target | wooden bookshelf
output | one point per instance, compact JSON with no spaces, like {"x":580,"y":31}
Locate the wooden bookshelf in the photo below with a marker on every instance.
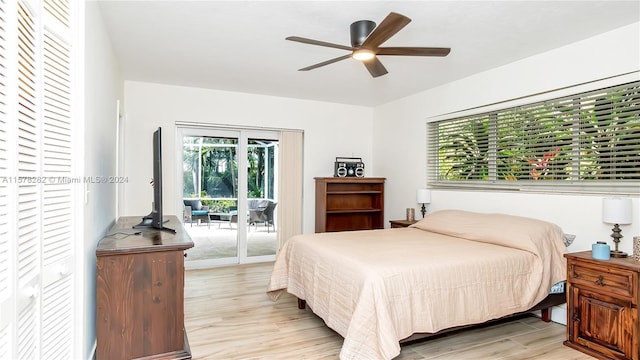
{"x":344,"y":204}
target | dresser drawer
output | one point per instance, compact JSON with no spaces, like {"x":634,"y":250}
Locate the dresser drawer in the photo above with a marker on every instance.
{"x":613,"y":281}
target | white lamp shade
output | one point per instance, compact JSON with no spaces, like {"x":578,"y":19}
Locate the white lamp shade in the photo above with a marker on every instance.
{"x":423,"y":196}
{"x":616,"y":210}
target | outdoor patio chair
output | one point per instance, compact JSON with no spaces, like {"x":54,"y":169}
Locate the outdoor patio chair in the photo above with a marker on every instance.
{"x":263,"y":214}
{"x":195,"y":211}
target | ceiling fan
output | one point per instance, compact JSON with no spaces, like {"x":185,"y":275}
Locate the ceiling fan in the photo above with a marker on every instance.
{"x":366,"y":39}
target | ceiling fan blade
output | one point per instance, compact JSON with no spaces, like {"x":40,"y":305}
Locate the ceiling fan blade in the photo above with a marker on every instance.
{"x":375,"y":67}
{"x":413,"y":51}
{"x":320,"y":43}
{"x":393,"y":23}
{"x":325,"y":63}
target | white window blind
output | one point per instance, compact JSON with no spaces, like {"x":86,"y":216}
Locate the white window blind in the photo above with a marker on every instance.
{"x":37,"y":246}
{"x":583,"y":142}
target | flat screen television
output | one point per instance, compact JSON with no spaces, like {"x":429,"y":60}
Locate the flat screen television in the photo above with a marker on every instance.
{"x":154,"y":219}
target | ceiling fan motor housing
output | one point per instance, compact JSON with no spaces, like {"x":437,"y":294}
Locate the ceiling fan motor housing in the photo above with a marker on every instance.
{"x":360,"y":30}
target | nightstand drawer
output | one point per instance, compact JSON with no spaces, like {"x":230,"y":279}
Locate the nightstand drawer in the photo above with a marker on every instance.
{"x":615,"y":281}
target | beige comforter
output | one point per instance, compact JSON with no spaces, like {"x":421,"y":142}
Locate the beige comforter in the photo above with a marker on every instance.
{"x":377,"y":287}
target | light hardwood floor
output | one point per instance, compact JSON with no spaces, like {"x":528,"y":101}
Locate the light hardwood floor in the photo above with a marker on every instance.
{"x":229,"y":316}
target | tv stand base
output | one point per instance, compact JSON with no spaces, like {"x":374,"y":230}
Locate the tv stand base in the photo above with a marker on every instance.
{"x":147,"y":223}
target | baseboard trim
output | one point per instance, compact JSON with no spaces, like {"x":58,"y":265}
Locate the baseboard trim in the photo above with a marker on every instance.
{"x":559,"y":314}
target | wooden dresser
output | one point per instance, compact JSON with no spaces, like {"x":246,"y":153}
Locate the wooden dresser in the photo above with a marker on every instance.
{"x":602,"y":306}
{"x":140,"y":292}
{"x":349,"y":203}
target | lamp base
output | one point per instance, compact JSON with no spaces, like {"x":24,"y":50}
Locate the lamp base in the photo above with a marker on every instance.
{"x":618,"y":254}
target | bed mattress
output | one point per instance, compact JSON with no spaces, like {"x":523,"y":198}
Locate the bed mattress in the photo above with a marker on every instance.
{"x":376,"y":287}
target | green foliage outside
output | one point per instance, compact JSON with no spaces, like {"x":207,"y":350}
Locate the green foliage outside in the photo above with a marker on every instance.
{"x":598,"y":139}
{"x":211,"y":165}
{"x":221,"y":206}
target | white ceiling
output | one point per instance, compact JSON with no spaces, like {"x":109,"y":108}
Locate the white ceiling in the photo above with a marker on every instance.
{"x":240,"y":45}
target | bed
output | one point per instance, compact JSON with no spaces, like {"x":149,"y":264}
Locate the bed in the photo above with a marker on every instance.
{"x":451,"y":269}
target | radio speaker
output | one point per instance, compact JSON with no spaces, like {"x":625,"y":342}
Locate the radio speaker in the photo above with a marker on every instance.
{"x":348,"y":167}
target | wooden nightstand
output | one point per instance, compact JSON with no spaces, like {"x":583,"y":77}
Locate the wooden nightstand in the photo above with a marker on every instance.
{"x":401,"y":223}
{"x":602,"y":306}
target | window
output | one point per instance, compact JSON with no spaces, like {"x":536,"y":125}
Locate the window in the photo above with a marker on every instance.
{"x":585,"y":142}
{"x":210,"y":169}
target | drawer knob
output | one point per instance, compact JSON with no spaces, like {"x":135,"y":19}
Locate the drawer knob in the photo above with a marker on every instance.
{"x":600,"y":281}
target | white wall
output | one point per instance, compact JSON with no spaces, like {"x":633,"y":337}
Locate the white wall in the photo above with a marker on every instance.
{"x":400,"y":134}
{"x":103,"y":87}
{"x":330,"y":130}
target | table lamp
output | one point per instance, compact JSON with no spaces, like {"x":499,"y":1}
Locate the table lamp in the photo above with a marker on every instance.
{"x":423,"y":196}
{"x":616,"y":211}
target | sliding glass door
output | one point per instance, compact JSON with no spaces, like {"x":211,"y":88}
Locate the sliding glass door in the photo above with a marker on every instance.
{"x":229,"y":194}
{"x":262,"y":195}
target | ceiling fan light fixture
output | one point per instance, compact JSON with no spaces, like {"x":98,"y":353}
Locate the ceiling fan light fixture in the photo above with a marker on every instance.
{"x":363,"y":54}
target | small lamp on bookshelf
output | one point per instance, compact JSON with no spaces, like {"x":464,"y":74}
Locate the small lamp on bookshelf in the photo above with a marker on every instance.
{"x":423,"y":196}
{"x":616,"y":211}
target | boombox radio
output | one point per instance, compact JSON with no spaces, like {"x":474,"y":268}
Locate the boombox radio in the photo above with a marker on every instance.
{"x":348,"y":167}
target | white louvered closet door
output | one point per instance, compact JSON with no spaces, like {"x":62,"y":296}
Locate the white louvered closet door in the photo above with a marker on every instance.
{"x":28,"y":194}
{"x":37,"y":255}
{"x":57,"y":246}
{"x":6,"y":189}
